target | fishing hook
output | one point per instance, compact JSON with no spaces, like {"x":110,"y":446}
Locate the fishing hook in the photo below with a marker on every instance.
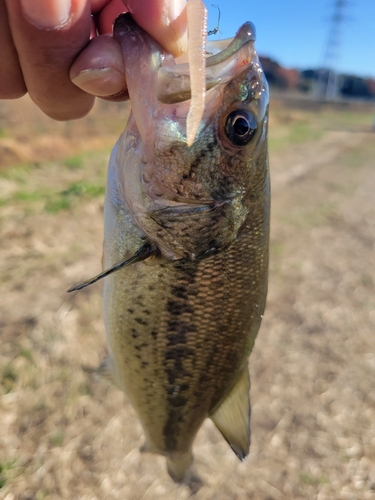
{"x":216,"y":29}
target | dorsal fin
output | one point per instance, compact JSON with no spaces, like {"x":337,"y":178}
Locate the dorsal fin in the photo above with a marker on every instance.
{"x":232,"y":417}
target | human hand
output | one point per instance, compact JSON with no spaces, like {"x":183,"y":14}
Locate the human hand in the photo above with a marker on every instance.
{"x":50,"y":49}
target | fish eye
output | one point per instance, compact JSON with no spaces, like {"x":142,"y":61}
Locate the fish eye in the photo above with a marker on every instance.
{"x":240,"y":127}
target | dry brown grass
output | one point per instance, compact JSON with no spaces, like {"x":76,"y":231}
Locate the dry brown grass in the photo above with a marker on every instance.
{"x":65,"y":435}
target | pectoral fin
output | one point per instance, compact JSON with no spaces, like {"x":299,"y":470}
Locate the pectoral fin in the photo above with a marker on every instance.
{"x":232,"y":417}
{"x":143,"y":253}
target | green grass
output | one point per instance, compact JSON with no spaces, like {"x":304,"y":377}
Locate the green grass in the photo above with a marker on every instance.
{"x":5,"y":467}
{"x":74,"y":163}
{"x":84,"y":189}
{"x":29,"y":196}
{"x":27,"y":354}
{"x":313,"y":481}
{"x":85,"y":389}
{"x":55,"y":202}
{"x":8,"y":378}
{"x":62,"y":374}
{"x":41,"y":494}
{"x":294,"y":133}
{"x":3,"y":132}
{"x":315,"y":125}
{"x":17,"y":173}
{"x":348,"y":117}
{"x":276,"y":248}
{"x":304,"y":131}
{"x":57,"y":439}
{"x":55,"y":206}
{"x":64,"y":200}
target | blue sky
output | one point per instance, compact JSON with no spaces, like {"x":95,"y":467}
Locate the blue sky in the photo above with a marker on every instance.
{"x":295,"y":32}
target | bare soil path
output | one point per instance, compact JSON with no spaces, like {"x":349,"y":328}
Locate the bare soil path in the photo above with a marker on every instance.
{"x":65,"y":435}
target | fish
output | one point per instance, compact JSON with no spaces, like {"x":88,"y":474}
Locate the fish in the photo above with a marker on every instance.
{"x":186,"y":238}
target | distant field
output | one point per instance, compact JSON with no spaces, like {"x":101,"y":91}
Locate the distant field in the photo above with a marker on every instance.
{"x":66,"y":435}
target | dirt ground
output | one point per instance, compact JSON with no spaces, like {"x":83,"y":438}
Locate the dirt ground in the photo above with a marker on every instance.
{"x":66,"y":435}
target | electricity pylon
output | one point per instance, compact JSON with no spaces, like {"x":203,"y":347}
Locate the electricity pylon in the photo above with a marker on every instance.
{"x":332,"y":52}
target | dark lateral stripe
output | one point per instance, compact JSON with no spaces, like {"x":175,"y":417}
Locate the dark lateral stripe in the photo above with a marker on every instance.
{"x":178,"y":331}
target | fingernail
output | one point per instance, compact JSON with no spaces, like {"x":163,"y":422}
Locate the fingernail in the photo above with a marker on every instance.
{"x":100,"y":82}
{"x":177,"y":24}
{"x":181,"y":46}
{"x":47,"y":14}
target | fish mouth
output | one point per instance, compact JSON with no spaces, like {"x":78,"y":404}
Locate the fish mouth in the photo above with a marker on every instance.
{"x":224,"y":60}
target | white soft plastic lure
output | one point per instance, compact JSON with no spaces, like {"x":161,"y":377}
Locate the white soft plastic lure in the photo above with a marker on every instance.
{"x":197,"y":32}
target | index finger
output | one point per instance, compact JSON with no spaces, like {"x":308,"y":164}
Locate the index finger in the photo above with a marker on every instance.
{"x":164,"y":20}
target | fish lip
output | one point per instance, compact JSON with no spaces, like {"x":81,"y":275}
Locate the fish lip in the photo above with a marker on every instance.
{"x":173,"y":81}
{"x":244,"y":35}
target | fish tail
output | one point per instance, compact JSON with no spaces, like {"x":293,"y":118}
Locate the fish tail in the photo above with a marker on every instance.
{"x":178,"y":465}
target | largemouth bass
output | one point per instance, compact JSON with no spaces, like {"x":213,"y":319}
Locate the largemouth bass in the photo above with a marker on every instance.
{"x":189,"y":226}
